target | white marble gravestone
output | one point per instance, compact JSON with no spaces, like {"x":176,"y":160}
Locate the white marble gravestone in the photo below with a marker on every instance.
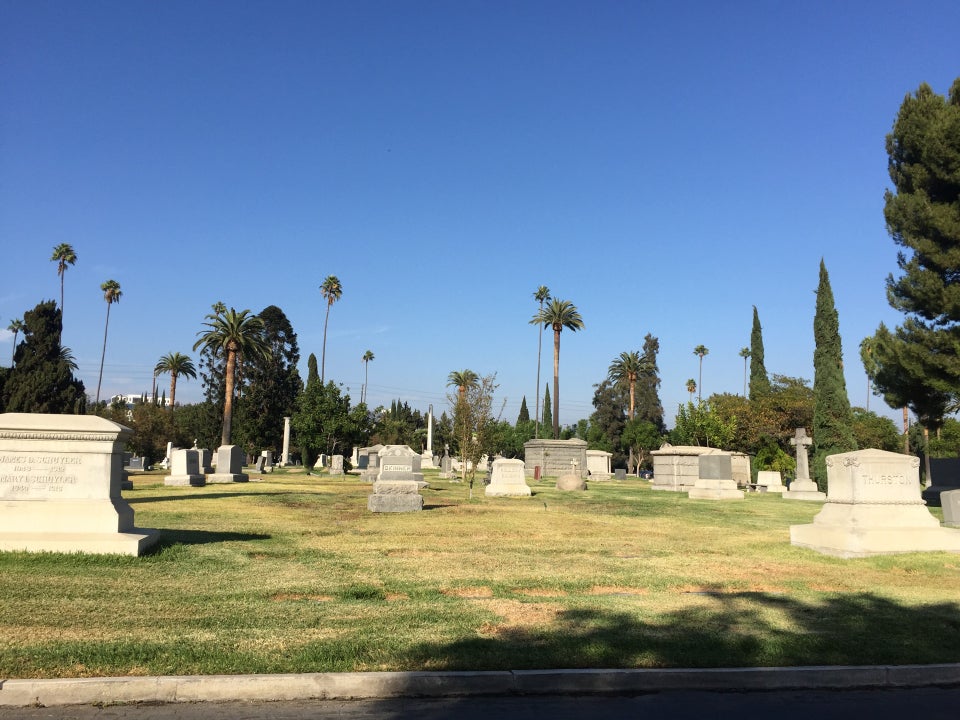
{"x":507,"y":479}
{"x":598,"y":464}
{"x":873,"y":507}
{"x":336,"y":465}
{"x":715,"y":481}
{"x":398,"y":483}
{"x":950,"y":502}
{"x":60,"y":481}
{"x":770,"y":481}
{"x":185,"y":469}
{"x":802,"y":487}
{"x":229,"y":465}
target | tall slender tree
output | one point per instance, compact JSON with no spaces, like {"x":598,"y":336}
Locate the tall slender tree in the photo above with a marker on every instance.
{"x":64,"y":256}
{"x":625,"y":370}
{"x":649,"y":407}
{"x":558,"y":314}
{"x":367,"y":357}
{"x":463,"y":380}
{"x":759,"y":382}
{"x":745,"y":354}
{"x":229,"y":335}
{"x":111,"y":293}
{"x":15,"y":327}
{"x":700,"y":351}
{"x":691,"y":388}
{"x":547,"y":412}
{"x":331,"y":290}
{"x":541,"y":295}
{"x":177,"y":364}
{"x":832,"y":416}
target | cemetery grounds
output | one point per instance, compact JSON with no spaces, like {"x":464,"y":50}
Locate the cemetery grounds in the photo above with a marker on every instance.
{"x":291,"y":573}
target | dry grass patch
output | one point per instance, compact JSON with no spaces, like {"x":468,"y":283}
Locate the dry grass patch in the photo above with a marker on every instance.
{"x":468,"y":593}
{"x":299,"y":597}
{"x":539,"y":592}
{"x":518,"y":618}
{"x":617,"y":590}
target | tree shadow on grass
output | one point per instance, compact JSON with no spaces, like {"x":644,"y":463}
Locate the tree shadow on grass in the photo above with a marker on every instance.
{"x":727,"y":630}
{"x":133,"y":500}
{"x":170,"y":537}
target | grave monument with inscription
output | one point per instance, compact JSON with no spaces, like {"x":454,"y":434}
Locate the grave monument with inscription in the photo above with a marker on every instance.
{"x":397,"y":487}
{"x":507,"y":479}
{"x":715,"y":481}
{"x":60,"y":481}
{"x":185,"y":469}
{"x":873,"y":507}
{"x":802,"y":487}
{"x":230,"y":460}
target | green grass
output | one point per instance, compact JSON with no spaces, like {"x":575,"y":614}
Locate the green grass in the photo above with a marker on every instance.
{"x":293,"y":574}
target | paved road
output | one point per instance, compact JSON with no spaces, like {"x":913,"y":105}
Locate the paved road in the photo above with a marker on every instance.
{"x":926,"y":703}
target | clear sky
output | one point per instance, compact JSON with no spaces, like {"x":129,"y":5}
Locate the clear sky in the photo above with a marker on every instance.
{"x":663,"y":165}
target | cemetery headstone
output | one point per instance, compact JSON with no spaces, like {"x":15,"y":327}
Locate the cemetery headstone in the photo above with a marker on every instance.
{"x":397,"y":487}
{"x":715,"y":481}
{"x":873,"y":508}
{"x":206,"y":460}
{"x":803,"y":488}
{"x":446,"y":467}
{"x":676,"y":468}
{"x":267,"y":460}
{"x":185,"y":469}
{"x":572,"y":480}
{"x":950,"y":501}
{"x":259,"y":464}
{"x":336,"y":465}
{"x":770,"y":481}
{"x":507,"y":479}
{"x":944,"y":476}
{"x":620,"y":474}
{"x":229,"y":465}
{"x":598,"y":464}
{"x":60,"y":478}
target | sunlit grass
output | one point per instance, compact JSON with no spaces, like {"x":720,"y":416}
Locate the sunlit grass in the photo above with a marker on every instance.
{"x":291,"y":573}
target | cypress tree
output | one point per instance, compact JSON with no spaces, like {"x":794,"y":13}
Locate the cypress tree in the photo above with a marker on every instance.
{"x":524,"y":416}
{"x":759,"y":381}
{"x":647,"y":392}
{"x":313,"y":375}
{"x":832,"y":416}
{"x":547,"y":420}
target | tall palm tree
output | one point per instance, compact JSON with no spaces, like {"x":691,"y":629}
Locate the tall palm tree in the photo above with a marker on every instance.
{"x":541,"y":295}
{"x":367,"y":357}
{"x":625,"y":370}
{"x":331,"y":290}
{"x":63,"y":255}
{"x":745,"y":354}
{"x":233,"y":334}
{"x":111,"y":293}
{"x":463,"y":380}
{"x":15,"y":327}
{"x":700,"y":351}
{"x":691,"y":388}
{"x":558,"y":314}
{"x":176,"y":364}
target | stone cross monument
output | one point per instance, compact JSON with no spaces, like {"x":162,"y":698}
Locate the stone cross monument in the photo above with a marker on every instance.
{"x":803,"y":488}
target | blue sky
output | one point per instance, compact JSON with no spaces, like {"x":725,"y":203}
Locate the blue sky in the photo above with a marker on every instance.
{"x":665,"y":166}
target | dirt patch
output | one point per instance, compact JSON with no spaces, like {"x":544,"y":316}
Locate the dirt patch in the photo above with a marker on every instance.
{"x":297,"y":597}
{"x":394,"y":597}
{"x":518,"y":618}
{"x":537,"y":592}
{"x":471,"y":592}
{"x":617,"y":590}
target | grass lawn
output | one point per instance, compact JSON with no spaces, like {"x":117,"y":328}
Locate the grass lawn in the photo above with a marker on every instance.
{"x":291,"y":573}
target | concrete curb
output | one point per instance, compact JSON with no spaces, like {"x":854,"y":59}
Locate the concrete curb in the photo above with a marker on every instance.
{"x":352,"y":686}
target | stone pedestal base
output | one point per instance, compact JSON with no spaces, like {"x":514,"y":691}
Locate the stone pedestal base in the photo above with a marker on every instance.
{"x":710,"y":489}
{"x":125,"y":543}
{"x":804,"y":490}
{"x":395,"y":496}
{"x":180,"y":480}
{"x":860,"y":530}
{"x":223,"y":478}
{"x":508,"y":490}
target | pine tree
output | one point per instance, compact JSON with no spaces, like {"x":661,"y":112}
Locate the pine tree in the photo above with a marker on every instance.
{"x":524,"y":416}
{"x":759,"y":381}
{"x":648,"y":405}
{"x":547,"y":422}
{"x":832,"y":416}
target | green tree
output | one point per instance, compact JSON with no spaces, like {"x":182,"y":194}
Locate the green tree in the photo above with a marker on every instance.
{"x":874,"y":431}
{"x":473,"y":423}
{"x":832,"y":416}
{"x":639,"y":438}
{"x":64,"y":256}
{"x":313,"y":375}
{"x":625,"y":370}
{"x":177,"y":364}
{"x":547,"y":411}
{"x":649,"y":407}
{"x":42,"y":380}
{"x":524,"y":415}
{"x":367,"y":357}
{"x":699,"y":425}
{"x":111,"y":293}
{"x":15,"y":327}
{"x":759,"y":381}
{"x":331,"y":290}
{"x":608,"y":420}
{"x":558,"y":314}
{"x":541,"y":295}
{"x":463,"y":380}
{"x":691,"y":387}
{"x":231,"y":334}
{"x":325,"y":423}
{"x":700,"y":351}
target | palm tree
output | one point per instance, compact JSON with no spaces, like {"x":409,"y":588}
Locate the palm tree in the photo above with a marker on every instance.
{"x":541,"y":295}
{"x":233,"y":334}
{"x":558,"y":314}
{"x":176,"y":364}
{"x":367,"y":357}
{"x":700,"y":351}
{"x":15,"y":327}
{"x":64,"y":255}
{"x":745,"y":353}
{"x":66,"y":354}
{"x":625,"y":370}
{"x":463,"y":380}
{"x":691,"y":388}
{"x":111,"y":293}
{"x":331,"y":290}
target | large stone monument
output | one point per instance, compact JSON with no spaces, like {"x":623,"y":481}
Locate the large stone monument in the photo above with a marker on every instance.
{"x":677,"y":467}
{"x":229,"y":465}
{"x":802,"y":487}
{"x":507,"y":479}
{"x":873,"y":508}
{"x":60,"y":481}
{"x":598,"y":464}
{"x":185,"y":469}
{"x":715,"y":481}
{"x":397,"y":487}
{"x":554,"y":457}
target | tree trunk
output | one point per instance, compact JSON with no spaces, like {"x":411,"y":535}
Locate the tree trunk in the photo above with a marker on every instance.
{"x":323,"y":354}
{"x":536,"y":427}
{"x":103,"y":355}
{"x":633,"y":385}
{"x":173,"y":390}
{"x":556,"y":384}
{"x":228,"y":399}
